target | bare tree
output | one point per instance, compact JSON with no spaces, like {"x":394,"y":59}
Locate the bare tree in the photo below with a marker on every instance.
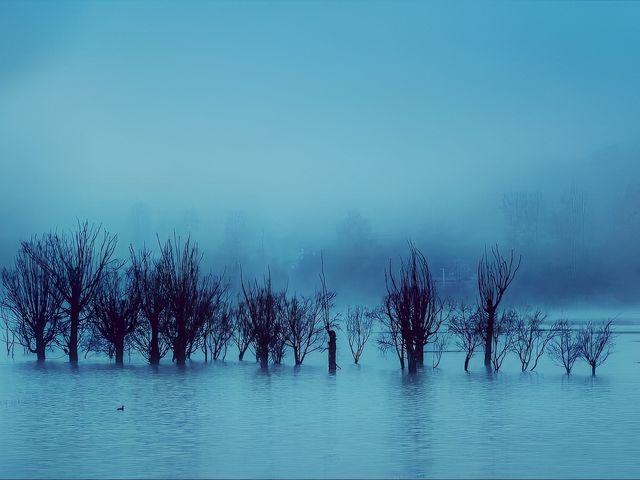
{"x":153,"y":306}
{"x":33,"y":303}
{"x":278,"y":347}
{"x":467,"y":325}
{"x":325,"y":300}
{"x":243,"y":331}
{"x":530,"y":339}
{"x":359,"y":327}
{"x":218,"y":331}
{"x":503,"y":339}
{"x":8,"y":335}
{"x":595,"y":343}
{"x":115,"y":309}
{"x":263,"y":305}
{"x":564,"y":348}
{"x":303,"y":327}
{"x":190,"y":296}
{"x":413,"y":305}
{"x":390,"y":336}
{"x":494,"y":277}
{"x":76,"y":262}
{"x":439,"y":346}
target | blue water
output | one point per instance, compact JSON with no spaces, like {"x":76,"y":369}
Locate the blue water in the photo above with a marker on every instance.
{"x":231,"y":419}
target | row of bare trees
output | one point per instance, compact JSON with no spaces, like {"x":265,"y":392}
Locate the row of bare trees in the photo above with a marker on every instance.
{"x":524,"y":334}
{"x":273,"y":321}
{"x":69,"y":291}
{"x":412,"y":315}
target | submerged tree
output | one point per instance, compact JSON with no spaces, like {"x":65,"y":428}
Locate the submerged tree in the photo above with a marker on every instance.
{"x":530,"y":339}
{"x":359,"y":325}
{"x":494,"y":277}
{"x":243,"y":330}
{"x":412,"y":304}
{"x":325,"y":301}
{"x":564,"y":348}
{"x":191,"y":297}
{"x":76,"y":263}
{"x":503,"y":339}
{"x":303,"y":327}
{"x":595,"y":343}
{"x":218,"y":331}
{"x":32,"y":301}
{"x":263,"y":305}
{"x":390,"y":337}
{"x":115,"y":309}
{"x":278,"y":347}
{"x":467,"y":325}
{"x":439,"y":346}
{"x":153,"y":306}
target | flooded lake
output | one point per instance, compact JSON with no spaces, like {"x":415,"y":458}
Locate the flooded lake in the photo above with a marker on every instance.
{"x":231,"y":419}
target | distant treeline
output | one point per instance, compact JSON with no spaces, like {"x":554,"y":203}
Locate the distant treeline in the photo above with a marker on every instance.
{"x":69,"y":291}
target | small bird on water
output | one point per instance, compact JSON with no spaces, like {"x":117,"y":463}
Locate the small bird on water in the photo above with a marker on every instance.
{"x":121,"y":407}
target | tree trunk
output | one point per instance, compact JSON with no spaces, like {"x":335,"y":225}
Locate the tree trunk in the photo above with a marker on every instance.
{"x":119,"y":349}
{"x":411,"y":362}
{"x":264,"y":359}
{"x":180,"y":358}
{"x":154,"y":347}
{"x":332,"y":352}
{"x":466,"y":363}
{"x":419,"y":354}
{"x":296,"y":355}
{"x":411,"y":356}
{"x":74,"y":322}
{"x":179,"y":353}
{"x":241,"y":355}
{"x":491,"y":316}
{"x":593,"y":370}
{"x":40,"y":349}
{"x":262,"y":352}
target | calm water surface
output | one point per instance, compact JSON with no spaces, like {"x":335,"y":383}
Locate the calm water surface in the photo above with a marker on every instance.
{"x":233,"y":420}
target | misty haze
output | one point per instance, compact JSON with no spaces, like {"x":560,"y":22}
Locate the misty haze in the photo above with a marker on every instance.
{"x":319,"y":239}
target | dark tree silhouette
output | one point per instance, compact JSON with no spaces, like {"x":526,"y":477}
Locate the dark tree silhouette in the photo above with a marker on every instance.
{"x":359,"y":325}
{"x":595,"y":343}
{"x":8,"y":336}
{"x":153,"y":306}
{"x":218,"y":331}
{"x":263,"y":305}
{"x":494,"y":277}
{"x":115,"y":309}
{"x":503,"y":339}
{"x":413,"y":305}
{"x":243,"y":330}
{"x":325,"y":301}
{"x":76,"y":262}
{"x":467,"y":325}
{"x":303,"y":327}
{"x":530,"y":339}
{"x":191,"y":297}
{"x":390,"y":336}
{"x":278,"y":347}
{"x":439,"y":346}
{"x":564,"y":348}
{"x":33,"y":303}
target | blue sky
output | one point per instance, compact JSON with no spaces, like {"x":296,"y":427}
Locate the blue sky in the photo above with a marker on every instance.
{"x":299,"y":112}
